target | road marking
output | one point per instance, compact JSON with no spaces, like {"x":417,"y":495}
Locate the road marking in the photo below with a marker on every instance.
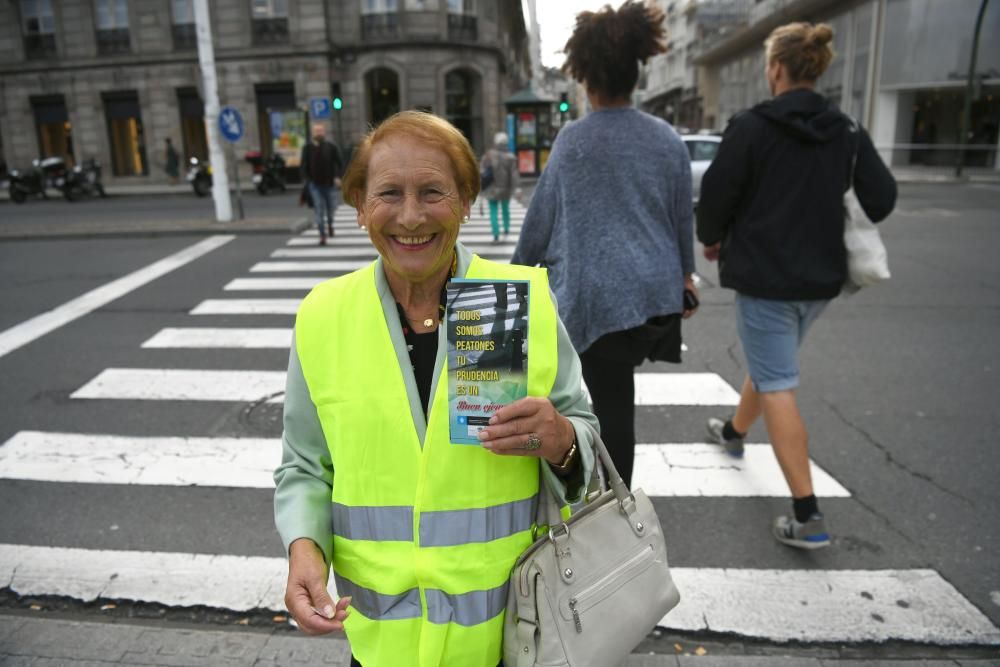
{"x":250,"y":462}
{"x":828,"y":606}
{"x":362,"y":241}
{"x":307,"y":266}
{"x":167,"y":461}
{"x":247,"y":307}
{"x":325,"y":251}
{"x":206,"y":337}
{"x":809,"y":606}
{"x":29,"y":330}
{"x":174,"y":579}
{"x":699,"y":469}
{"x":682,"y":389}
{"x":158,"y":384}
{"x":287,"y":284}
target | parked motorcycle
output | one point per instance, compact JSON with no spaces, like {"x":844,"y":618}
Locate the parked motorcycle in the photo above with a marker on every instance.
{"x":267,"y":175}
{"x":84,"y":179}
{"x":49,"y":172}
{"x":200,"y":176}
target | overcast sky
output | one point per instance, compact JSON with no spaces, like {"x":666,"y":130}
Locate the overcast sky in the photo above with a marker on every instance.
{"x":556,"y":19}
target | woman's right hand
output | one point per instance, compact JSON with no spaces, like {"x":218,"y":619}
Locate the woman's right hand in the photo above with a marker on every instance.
{"x":306,"y":596}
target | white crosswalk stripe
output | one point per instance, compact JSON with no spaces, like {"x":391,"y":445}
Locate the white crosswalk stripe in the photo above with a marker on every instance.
{"x":767,"y":604}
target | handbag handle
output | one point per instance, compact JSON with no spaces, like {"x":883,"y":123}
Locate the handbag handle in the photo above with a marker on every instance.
{"x":549,"y":509}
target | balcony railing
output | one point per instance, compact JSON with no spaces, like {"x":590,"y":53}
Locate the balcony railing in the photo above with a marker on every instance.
{"x":185,"y":36}
{"x":379,"y":26}
{"x":270,"y":31}
{"x":462,"y":28}
{"x":39,"y":46}
{"x":112,"y":42}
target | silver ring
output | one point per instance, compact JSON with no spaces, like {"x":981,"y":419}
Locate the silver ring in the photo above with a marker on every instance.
{"x":534,"y":442}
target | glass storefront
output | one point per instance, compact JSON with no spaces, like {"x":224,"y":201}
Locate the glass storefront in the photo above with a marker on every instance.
{"x":55,"y":133}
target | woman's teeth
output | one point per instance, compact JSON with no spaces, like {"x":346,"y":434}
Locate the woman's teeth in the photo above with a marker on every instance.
{"x":414,"y":240}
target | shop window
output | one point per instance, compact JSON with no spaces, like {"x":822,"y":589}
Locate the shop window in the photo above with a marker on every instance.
{"x":125,"y":134}
{"x":182,"y":25}
{"x":282,"y":124}
{"x":55,"y":135}
{"x":462,"y":21}
{"x":112,"y":26}
{"x":379,"y":19}
{"x":383,"y":94}
{"x":270,"y":21}
{"x":463,"y":105}
{"x":38,"y":26}
{"x":194,"y":139}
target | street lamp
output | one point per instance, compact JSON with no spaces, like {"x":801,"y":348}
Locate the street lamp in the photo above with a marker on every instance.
{"x":969,"y":89}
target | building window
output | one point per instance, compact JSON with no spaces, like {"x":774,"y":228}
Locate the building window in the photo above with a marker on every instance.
{"x":270,"y":21}
{"x":112,"y":26}
{"x":55,"y":136}
{"x":38,"y":25}
{"x":379,"y":19}
{"x":128,"y":145}
{"x":463,"y":106}
{"x":282,"y":125}
{"x":383,"y":94}
{"x":183,"y":26}
{"x":462,"y":22}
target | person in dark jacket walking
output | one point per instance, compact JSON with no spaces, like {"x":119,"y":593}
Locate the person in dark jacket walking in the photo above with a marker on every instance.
{"x":772,"y":213}
{"x":321,"y":168}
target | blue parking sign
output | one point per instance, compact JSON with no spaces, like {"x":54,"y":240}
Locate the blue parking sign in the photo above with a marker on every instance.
{"x":319,"y":107}
{"x":230,"y":124}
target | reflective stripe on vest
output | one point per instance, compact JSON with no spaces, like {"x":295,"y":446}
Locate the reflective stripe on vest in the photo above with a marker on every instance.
{"x":425,"y":534}
{"x":437,"y":529}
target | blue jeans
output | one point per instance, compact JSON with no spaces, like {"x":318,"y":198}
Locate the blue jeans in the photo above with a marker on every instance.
{"x":505,"y":209}
{"x":322,"y":197}
{"x":771,"y":333}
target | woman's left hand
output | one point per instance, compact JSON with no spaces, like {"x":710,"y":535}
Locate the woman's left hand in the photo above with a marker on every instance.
{"x":511,"y":427}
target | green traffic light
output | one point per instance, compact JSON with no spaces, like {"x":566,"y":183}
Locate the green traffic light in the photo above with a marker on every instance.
{"x":563,"y":107}
{"x":338,"y":103}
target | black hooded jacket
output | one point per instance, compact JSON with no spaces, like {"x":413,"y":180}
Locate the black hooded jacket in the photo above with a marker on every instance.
{"x":773,"y":196}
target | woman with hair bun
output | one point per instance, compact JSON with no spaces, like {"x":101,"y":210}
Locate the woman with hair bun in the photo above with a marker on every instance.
{"x":772,"y":213}
{"x":611,"y":219}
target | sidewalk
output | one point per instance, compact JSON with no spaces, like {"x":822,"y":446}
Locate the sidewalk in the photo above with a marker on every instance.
{"x":37,"y":641}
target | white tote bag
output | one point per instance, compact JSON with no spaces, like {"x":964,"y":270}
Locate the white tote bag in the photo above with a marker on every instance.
{"x":867,"y":259}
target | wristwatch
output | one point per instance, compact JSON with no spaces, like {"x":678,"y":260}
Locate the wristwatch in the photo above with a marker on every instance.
{"x":566,"y":464}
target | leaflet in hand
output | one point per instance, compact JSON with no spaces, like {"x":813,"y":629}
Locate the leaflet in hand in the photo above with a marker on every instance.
{"x":487,"y":351}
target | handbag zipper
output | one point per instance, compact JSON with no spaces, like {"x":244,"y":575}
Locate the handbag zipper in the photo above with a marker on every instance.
{"x":576,"y":603}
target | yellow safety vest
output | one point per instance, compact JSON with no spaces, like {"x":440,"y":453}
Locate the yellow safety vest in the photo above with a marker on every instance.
{"x":424,"y":534}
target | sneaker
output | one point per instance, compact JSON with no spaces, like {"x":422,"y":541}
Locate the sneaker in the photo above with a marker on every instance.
{"x":809,"y":535}
{"x":733,"y":447}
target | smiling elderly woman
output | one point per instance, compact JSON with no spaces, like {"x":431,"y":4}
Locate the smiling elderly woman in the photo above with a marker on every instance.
{"x":421,"y":534}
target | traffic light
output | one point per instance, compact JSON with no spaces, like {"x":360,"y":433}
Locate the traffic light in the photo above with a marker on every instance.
{"x":338,"y":101}
{"x":563,"y":103}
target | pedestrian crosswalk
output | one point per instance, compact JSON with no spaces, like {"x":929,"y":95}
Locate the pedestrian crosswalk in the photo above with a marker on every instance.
{"x":808,"y":605}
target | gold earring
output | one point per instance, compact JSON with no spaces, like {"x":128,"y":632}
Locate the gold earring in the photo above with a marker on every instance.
{"x":465,"y":219}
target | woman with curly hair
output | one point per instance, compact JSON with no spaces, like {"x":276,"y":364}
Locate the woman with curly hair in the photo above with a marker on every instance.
{"x":611,"y":219}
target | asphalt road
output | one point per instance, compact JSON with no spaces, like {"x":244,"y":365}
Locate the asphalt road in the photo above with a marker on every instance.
{"x":900,"y":387}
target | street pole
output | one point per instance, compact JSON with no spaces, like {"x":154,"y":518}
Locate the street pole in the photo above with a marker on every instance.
{"x":969,"y":89}
{"x":216,"y":156}
{"x":236,"y":173}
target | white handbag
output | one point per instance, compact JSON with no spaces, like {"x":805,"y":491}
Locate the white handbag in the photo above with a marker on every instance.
{"x":592,"y":588}
{"x":867,"y":259}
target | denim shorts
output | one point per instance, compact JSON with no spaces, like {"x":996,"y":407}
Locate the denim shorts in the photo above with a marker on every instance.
{"x":771,"y":333}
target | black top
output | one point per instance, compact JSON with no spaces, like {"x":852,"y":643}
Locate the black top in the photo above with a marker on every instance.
{"x":774,"y":197}
{"x":423,"y":354}
{"x":321,"y":163}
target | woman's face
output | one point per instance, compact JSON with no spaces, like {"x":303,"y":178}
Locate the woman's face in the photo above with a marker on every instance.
{"x":412,"y":207}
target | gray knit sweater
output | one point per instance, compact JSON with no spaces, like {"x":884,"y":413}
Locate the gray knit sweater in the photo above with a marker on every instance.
{"x":611,"y":219}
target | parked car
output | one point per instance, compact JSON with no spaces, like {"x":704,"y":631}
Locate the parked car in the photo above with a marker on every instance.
{"x":702,"y":149}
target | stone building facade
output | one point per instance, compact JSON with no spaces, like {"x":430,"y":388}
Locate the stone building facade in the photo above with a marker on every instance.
{"x":113,"y":79}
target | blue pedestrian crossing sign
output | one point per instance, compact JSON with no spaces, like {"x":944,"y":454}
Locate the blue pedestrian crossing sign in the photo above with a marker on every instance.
{"x":230,"y":124}
{"x":319,"y":107}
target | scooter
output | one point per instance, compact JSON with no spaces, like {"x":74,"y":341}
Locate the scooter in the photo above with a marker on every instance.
{"x":48,"y":172}
{"x":84,"y":179}
{"x":200,"y":176}
{"x":267,"y":175}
